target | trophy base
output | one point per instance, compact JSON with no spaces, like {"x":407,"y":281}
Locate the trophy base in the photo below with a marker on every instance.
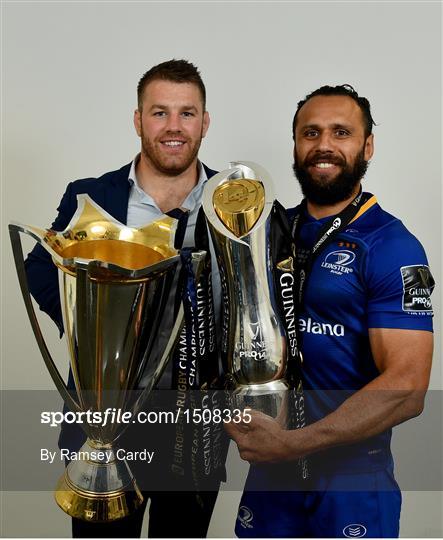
{"x":99,"y":488}
{"x":270,"y":398}
{"x":93,"y":508}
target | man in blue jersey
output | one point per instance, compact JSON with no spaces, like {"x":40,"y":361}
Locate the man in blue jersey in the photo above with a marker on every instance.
{"x":365,"y":327}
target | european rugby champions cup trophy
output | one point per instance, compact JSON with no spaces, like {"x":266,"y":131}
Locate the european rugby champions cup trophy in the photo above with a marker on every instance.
{"x":255,"y":253}
{"x":115,"y":284}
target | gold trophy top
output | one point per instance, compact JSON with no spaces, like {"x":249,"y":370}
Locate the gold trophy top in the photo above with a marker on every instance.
{"x":94,"y":235}
{"x":239,"y":204}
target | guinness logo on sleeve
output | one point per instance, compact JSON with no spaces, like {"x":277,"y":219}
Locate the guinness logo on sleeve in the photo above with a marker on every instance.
{"x":418,"y":284}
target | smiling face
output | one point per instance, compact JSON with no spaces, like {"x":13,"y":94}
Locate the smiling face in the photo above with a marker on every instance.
{"x":171,"y":125}
{"x":331,"y":152}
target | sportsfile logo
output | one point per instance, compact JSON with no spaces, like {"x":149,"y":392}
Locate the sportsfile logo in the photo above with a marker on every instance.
{"x":339,"y":261}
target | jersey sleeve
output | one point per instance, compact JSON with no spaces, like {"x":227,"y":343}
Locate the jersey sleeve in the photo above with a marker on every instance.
{"x":399,"y":282}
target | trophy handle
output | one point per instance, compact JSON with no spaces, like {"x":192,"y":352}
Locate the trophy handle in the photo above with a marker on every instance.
{"x":198,"y":259}
{"x":17,"y":249}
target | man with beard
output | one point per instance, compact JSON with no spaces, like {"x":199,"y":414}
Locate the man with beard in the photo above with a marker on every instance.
{"x":165,"y":177}
{"x":365,"y":329}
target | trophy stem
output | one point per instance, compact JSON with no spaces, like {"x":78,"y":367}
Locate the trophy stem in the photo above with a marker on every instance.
{"x":98,"y":487}
{"x":270,"y":398}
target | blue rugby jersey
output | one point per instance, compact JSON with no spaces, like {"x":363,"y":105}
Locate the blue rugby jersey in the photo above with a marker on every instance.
{"x":374,"y":274}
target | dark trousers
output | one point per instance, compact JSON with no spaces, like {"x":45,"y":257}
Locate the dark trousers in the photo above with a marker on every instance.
{"x":171,"y":515}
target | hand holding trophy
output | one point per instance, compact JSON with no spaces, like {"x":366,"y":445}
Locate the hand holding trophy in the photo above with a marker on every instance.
{"x":115,"y":284}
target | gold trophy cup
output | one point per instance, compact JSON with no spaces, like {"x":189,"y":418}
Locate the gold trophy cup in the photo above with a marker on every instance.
{"x":115,"y":283}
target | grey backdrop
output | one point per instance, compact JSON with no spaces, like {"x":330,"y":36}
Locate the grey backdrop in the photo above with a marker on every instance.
{"x":69,"y":74}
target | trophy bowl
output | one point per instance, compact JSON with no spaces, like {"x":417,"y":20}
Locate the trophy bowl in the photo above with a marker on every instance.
{"x":115,"y":284}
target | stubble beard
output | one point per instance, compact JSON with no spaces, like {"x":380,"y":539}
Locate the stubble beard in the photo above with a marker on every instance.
{"x":169,"y":166}
{"x":331,"y":191}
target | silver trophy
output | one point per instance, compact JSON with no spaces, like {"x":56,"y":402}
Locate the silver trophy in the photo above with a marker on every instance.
{"x":238,"y":203}
{"x":115,"y":284}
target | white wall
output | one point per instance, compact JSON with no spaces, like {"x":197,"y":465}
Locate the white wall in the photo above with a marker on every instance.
{"x":70,"y":71}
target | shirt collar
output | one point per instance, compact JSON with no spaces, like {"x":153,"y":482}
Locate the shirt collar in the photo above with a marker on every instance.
{"x":191,"y":200}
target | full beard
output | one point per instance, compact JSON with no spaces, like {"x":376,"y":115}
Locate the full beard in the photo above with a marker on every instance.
{"x":169,"y":165}
{"x":334,"y":190}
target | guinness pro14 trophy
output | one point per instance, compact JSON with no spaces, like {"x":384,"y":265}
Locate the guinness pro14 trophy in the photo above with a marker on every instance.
{"x":257,"y":275}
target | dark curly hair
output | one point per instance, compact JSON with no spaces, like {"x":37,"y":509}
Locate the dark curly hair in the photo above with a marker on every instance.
{"x":340,"y":90}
